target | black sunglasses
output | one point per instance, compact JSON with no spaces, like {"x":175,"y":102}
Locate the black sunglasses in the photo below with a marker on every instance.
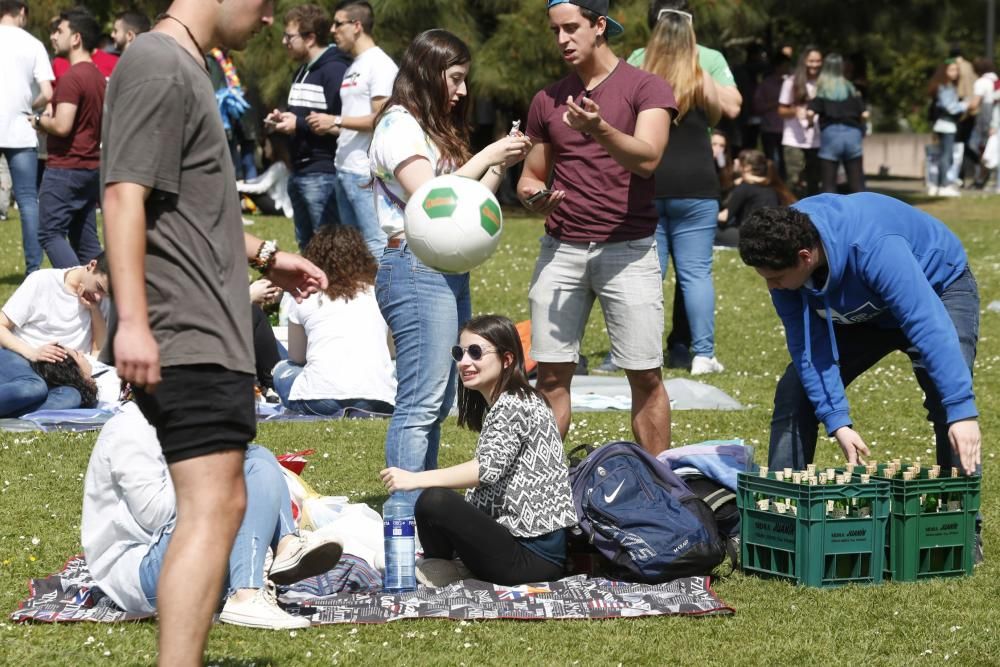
{"x":475,"y":351}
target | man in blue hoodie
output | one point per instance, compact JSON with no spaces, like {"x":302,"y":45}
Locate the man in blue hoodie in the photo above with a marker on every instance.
{"x":853,"y":278}
{"x":315,"y":90}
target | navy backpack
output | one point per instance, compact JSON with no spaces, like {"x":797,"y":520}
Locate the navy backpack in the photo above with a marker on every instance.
{"x":641,"y":516}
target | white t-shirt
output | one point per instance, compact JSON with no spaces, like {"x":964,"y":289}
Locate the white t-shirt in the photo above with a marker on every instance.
{"x":347,"y":349}
{"x":797,"y":132}
{"x":128,"y":502}
{"x":44,"y":312}
{"x":370,"y":75}
{"x":397,"y":138}
{"x":23,"y":63}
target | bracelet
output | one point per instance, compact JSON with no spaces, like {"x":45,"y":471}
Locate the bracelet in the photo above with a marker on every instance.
{"x":265,"y":257}
{"x":497,"y":169}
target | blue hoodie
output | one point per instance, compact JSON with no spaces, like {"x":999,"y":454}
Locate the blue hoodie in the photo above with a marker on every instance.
{"x":888,"y":264}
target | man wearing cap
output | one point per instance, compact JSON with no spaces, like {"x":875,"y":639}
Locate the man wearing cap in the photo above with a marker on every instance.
{"x":598,"y":135}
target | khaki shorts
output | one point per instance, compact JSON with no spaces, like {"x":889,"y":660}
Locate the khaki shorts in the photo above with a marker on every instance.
{"x":624,"y":276}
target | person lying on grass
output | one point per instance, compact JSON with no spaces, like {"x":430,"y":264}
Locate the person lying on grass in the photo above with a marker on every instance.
{"x":129,"y":514}
{"x":510,"y":529}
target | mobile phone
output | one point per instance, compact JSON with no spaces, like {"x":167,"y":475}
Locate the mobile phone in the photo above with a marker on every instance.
{"x":514,"y":128}
{"x":544,"y":192}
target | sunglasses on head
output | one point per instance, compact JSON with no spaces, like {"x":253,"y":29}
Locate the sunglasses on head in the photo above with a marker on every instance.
{"x":475,"y":351}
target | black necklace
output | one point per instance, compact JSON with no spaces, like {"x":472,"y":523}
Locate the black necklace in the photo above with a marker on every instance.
{"x":186,"y":29}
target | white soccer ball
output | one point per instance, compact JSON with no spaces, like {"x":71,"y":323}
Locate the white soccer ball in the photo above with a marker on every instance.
{"x":453,"y":224}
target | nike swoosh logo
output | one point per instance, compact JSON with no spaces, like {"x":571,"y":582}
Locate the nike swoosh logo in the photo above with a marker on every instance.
{"x":611,"y":498}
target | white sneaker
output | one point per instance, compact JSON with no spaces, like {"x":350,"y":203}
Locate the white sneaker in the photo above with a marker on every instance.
{"x":437,"y":572}
{"x":308,"y":555}
{"x":949,"y":191}
{"x":705,"y":365}
{"x":261,"y":611}
{"x":932,"y":191}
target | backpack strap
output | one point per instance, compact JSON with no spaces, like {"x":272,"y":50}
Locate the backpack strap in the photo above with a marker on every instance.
{"x":390,"y":194}
{"x":579,"y":453}
{"x":718,"y":498}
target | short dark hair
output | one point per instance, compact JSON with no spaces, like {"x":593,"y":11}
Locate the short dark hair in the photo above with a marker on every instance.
{"x":13,"y":7}
{"x":312,"y":20}
{"x":657,"y":6}
{"x":102,"y":264}
{"x":134,"y":20}
{"x":772,"y":237}
{"x":360,"y":11}
{"x":84,"y":24}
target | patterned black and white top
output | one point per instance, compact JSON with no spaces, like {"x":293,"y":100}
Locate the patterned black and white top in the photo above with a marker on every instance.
{"x":523,"y":480}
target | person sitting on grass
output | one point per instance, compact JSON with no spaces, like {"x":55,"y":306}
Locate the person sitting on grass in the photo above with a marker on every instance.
{"x":53,"y":312}
{"x":759,"y":186}
{"x":338,"y":347}
{"x":129,"y":513}
{"x":509,"y":529}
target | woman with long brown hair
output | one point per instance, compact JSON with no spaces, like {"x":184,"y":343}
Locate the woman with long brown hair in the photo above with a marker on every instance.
{"x":422,"y":132}
{"x":946,"y":111}
{"x":800,"y":139}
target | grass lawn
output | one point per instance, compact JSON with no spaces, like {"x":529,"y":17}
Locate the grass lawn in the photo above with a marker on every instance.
{"x":41,"y":480}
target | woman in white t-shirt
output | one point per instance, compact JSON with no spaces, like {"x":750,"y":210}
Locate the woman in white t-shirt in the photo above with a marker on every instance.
{"x":421,"y":133}
{"x":338,"y":348}
{"x":801,"y":138}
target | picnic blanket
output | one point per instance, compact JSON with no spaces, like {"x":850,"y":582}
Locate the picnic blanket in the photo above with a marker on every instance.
{"x":72,"y":595}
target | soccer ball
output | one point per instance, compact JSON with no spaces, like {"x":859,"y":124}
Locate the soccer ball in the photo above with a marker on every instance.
{"x":453,"y":224}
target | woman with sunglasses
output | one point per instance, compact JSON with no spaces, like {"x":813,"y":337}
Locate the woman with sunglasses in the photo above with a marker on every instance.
{"x":509,"y":529}
{"x":421,"y":133}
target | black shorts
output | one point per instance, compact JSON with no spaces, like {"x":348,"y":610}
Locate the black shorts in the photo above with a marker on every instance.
{"x":200,"y":409}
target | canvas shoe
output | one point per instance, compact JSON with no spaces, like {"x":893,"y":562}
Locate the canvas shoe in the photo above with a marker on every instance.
{"x":706,"y":365}
{"x":261,"y":611}
{"x":949,"y":191}
{"x":438,"y":572}
{"x":606,"y":367}
{"x":932,"y":191}
{"x":308,"y":555}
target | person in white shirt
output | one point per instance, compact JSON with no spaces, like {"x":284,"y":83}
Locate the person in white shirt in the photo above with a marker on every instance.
{"x":269,"y":191}
{"x":26,"y":81}
{"x":129,"y":517}
{"x":338,"y":347}
{"x":53,"y":314}
{"x":367,"y":85}
{"x":800,"y":137}
{"x":984,"y":91}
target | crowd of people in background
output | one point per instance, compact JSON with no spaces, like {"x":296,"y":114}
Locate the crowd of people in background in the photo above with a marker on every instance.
{"x":634,"y":164}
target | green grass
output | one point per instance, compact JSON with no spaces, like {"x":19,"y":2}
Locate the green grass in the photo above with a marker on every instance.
{"x":775,"y":623}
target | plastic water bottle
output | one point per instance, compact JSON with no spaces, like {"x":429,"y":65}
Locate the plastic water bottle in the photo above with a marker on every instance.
{"x":398,"y":527}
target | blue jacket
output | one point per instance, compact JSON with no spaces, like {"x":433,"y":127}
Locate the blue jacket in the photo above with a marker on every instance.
{"x":888,"y":264}
{"x":316,"y":87}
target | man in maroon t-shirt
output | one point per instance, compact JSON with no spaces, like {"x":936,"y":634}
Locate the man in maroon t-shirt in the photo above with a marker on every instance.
{"x":70,"y":192}
{"x":598,"y":135}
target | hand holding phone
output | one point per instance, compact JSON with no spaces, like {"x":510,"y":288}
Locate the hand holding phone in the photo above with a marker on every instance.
{"x":544,"y":192}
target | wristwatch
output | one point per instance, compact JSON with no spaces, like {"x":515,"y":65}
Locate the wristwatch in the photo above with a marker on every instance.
{"x":337,"y":122}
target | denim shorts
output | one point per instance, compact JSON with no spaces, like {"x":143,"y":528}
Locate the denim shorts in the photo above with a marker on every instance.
{"x":623,"y":275}
{"x":839,"y":142}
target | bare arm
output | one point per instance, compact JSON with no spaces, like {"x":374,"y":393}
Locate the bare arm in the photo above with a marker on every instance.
{"x":137,"y":355}
{"x":461,"y":476}
{"x":98,"y":329}
{"x":11,"y":342}
{"x":639,"y":152}
{"x":44,"y":95}
{"x":713,"y":94}
{"x":60,"y":124}
{"x":534,"y":176}
{"x":297,"y":342}
{"x":730,"y":100}
{"x":787,"y":111}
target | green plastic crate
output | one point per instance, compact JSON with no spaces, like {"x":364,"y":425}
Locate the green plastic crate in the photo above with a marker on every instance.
{"x":922,"y":545}
{"x":811,"y":548}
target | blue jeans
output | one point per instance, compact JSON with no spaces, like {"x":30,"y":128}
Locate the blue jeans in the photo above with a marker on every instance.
{"x":22,"y":390}
{"x":424,"y":309}
{"x":356,"y":205}
{"x":284,"y":376}
{"x":314,"y":203}
{"x":23,"y":164}
{"x":946,"y":142}
{"x":267,"y":519}
{"x":686,"y":231}
{"x":67,"y":210}
{"x":794,"y":423}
